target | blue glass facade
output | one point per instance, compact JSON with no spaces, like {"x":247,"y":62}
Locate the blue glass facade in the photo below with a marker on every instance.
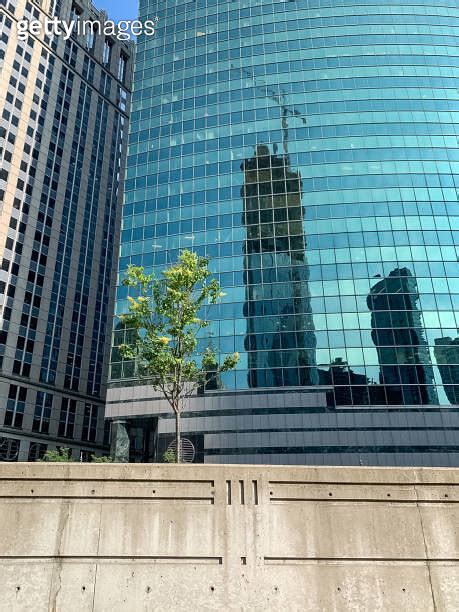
{"x":310,"y":148}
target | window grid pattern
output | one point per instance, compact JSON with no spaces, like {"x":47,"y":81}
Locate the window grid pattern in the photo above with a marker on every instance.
{"x":85,"y":262}
{"x":320,"y":173}
{"x":15,"y":406}
{"x":67,"y":417}
{"x":42,"y":413}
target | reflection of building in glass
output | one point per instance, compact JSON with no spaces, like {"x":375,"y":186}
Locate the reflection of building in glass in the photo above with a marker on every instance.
{"x":280,"y":332}
{"x":398,"y":334}
{"x":446,"y":352}
{"x":349,"y":387}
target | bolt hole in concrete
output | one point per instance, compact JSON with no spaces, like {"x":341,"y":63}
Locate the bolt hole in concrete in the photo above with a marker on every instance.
{"x":446,"y":494}
{"x":153,"y":491}
{"x":148,"y":589}
{"x":212,"y":588}
{"x":31,"y":490}
{"x":83,"y":588}
{"x":18,"y":588}
{"x":388,"y":495}
{"x":403,"y":590}
{"x":330,"y":494}
{"x":339,"y":589}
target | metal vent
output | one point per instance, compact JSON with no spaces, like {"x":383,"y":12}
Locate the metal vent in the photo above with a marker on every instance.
{"x":187,"y":450}
{"x":9,"y":449}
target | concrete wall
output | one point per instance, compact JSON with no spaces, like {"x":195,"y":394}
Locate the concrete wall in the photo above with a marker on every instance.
{"x":160,"y":537}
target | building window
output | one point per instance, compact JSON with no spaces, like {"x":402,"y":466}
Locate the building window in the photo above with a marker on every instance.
{"x":90,"y":38}
{"x":107,"y":432}
{"x":55,"y":8}
{"x":91,"y":412}
{"x":122,"y":64}
{"x":85,"y":456}
{"x":122,"y":98}
{"x":15,"y":406}
{"x":105,"y":83}
{"x":9,"y":449}
{"x":88,"y":69}
{"x":75,"y":14}
{"x":107,"y":52}
{"x":67,"y":418}
{"x":37,"y":451}
{"x":42,"y":415}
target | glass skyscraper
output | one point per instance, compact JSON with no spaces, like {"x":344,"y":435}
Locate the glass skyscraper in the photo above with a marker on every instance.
{"x":310,"y":148}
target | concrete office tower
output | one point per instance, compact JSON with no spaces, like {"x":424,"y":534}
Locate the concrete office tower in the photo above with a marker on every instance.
{"x":63,"y":130}
{"x":357,"y":102}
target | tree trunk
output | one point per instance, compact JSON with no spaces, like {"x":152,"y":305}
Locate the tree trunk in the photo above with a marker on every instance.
{"x":178,"y":453}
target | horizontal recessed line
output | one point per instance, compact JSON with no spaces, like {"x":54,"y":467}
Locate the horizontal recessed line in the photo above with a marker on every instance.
{"x":363,"y":483}
{"x":130,"y":558}
{"x":293,"y":560}
{"x":104,"y":480}
{"x":364,"y":500}
{"x":89,"y":497}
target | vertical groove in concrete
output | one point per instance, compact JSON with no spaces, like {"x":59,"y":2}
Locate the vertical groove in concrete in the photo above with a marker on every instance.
{"x":59,"y":547}
{"x":434,"y":605}
{"x":96,"y":565}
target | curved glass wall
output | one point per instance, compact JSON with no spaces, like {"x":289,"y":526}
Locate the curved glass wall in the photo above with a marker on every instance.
{"x":311,"y":149}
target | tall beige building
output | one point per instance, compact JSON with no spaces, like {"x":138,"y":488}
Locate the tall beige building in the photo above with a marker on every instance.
{"x":64,"y":108}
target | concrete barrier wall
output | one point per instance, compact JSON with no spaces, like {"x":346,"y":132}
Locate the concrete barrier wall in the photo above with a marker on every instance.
{"x":162,"y":537}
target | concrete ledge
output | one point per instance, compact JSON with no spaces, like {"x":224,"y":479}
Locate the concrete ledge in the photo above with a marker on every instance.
{"x":229,"y":537}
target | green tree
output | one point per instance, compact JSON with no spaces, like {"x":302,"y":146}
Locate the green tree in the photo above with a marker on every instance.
{"x":60,"y":455}
{"x":101,"y":459}
{"x":163,"y":325}
{"x":169,"y":456}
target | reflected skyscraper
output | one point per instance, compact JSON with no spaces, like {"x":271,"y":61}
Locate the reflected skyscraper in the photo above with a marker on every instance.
{"x":446,"y":353}
{"x":399,"y":337}
{"x":280,"y":337}
{"x":349,"y":387}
